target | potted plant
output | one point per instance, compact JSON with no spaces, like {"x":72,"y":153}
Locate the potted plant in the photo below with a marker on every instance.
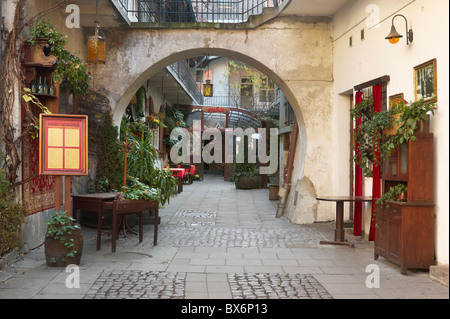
{"x":395,"y":193}
{"x":68,"y":67}
{"x":246,"y":175}
{"x":408,"y":118}
{"x":369,"y":138}
{"x":63,"y":241}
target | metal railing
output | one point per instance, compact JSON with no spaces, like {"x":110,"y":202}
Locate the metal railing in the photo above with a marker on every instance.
{"x":255,"y":103}
{"x":181,"y":71}
{"x":212,"y":11}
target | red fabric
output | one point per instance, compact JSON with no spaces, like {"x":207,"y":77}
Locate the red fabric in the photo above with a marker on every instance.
{"x":376,"y":187}
{"x":38,"y":192}
{"x":357,"y":212}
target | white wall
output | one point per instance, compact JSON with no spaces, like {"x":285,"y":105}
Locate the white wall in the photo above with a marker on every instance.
{"x":374,"y":57}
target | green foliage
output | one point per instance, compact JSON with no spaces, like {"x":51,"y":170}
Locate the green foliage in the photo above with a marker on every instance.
{"x":410,"y":116}
{"x":368,"y":133}
{"x":68,"y":67}
{"x":245,"y":168}
{"x":143,"y":163}
{"x":391,"y":195}
{"x":137,"y":190}
{"x":270,"y":122}
{"x":104,"y":139}
{"x":58,"y":227}
{"x":12,"y":216}
{"x":174,"y":118}
{"x":368,"y":136}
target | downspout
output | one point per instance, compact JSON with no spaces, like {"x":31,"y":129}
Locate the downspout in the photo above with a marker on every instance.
{"x":284,"y":191}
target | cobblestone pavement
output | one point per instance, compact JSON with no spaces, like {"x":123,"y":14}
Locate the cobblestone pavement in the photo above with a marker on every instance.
{"x":276,"y":286}
{"x":216,"y":242}
{"x":114,"y":284}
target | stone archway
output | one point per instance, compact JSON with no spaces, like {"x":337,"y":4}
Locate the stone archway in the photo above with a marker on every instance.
{"x":297,"y":56}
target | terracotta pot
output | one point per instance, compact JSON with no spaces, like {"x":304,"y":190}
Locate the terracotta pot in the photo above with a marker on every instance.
{"x":39,"y":53}
{"x":393,"y":129}
{"x":402,"y":197}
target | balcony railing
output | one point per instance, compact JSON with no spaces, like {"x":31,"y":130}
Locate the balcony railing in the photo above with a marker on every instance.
{"x":255,"y":104}
{"x":212,"y":11}
{"x":181,"y":71}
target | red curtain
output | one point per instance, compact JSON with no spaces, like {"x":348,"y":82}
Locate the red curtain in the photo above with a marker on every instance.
{"x":376,"y":187}
{"x":357,"y":212}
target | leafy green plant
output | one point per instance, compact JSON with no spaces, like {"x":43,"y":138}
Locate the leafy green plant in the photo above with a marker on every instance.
{"x":371,"y":145}
{"x":410,"y":117}
{"x":68,"y":67}
{"x":137,"y":190}
{"x":60,"y":225}
{"x":12,"y":216}
{"x":104,"y":140}
{"x":245,"y":168}
{"x":143,"y":163}
{"x":174,"y":118}
{"x":391,"y":195}
{"x":368,"y":133}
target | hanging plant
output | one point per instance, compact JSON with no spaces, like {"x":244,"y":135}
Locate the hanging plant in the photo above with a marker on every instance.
{"x":368,"y":136}
{"x":68,"y":67}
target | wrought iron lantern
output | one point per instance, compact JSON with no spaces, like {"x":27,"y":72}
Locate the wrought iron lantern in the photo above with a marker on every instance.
{"x":208,"y":89}
{"x":97,"y":43}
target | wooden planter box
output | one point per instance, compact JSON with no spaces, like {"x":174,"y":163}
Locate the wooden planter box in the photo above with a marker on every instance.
{"x":247,"y":182}
{"x":55,"y":251}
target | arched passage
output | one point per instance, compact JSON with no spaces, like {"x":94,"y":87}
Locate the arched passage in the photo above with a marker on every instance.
{"x":296,"y":56}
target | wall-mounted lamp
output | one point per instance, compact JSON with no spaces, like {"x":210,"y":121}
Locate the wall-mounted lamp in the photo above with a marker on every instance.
{"x":97,"y":43}
{"x":394,"y":36}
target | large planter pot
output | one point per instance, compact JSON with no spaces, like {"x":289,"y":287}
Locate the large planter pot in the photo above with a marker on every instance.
{"x":248,"y":182}
{"x":56,"y":251}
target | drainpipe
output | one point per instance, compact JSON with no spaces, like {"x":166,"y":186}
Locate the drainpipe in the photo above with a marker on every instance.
{"x":284,"y":191}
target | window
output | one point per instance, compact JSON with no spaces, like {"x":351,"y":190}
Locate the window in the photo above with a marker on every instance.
{"x":246,"y":92}
{"x":267,"y":91}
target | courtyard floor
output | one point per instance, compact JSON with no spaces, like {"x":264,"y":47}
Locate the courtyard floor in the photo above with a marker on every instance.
{"x":216,"y":242}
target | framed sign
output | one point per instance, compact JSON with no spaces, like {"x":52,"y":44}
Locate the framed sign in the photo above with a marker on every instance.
{"x":425,"y":82}
{"x":63,"y":146}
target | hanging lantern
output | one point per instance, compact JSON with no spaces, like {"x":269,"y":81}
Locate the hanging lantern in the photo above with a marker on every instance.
{"x":97,"y":46}
{"x":208,"y":89}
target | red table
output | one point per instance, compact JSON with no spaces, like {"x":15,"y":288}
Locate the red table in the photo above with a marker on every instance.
{"x":179,"y":173}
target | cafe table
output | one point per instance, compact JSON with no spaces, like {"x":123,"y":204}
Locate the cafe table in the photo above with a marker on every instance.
{"x":179,"y":173}
{"x":339,"y":233}
{"x":92,"y":203}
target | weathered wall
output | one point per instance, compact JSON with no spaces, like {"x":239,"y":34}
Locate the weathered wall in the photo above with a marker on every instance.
{"x":295,"y":54}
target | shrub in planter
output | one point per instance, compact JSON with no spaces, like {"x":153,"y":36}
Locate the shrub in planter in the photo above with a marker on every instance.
{"x":64,"y":241}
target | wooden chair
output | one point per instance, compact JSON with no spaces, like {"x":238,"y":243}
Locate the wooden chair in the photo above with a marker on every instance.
{"x":121,"y":208}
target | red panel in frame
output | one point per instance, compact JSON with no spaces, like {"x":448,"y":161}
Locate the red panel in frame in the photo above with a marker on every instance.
{"x":63,"y":146}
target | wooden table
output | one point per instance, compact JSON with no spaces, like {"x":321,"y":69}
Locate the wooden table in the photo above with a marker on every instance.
{"x":92,"y":203}
{"x":339,"y":233}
